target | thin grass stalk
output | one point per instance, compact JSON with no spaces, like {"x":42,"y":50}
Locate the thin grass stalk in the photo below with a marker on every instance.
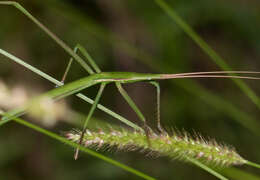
{"x":83,"y":149}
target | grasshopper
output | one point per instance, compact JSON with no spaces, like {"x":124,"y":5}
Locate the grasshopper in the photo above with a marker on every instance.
{"x":96,"y":76}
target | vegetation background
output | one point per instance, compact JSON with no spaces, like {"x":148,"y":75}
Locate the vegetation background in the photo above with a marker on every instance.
{"x":132,"y":36}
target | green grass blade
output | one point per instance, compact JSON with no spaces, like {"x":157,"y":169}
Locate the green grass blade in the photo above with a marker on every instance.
{"x":55,"y":94}
{"x":49,"y":33}
{"x":28,"y":66}
{"x":238,"y":174}
{"x":83,"y":149}
{"x":207,"y":49}
{"x":253,"y":164}
{"x":108,"y":111}
{"x":206,"y":168}
{"x":95,"y":154}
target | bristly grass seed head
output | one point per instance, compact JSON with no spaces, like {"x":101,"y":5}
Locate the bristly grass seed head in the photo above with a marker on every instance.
{"x":177,"y":146}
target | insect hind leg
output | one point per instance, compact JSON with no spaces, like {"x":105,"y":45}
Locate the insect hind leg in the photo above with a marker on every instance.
{"x":158,"y":97}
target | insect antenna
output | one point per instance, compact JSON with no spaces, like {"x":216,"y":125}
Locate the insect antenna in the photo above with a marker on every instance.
{"x":212,"y":74}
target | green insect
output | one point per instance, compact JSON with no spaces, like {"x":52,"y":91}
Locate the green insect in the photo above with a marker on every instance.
{"x":96,"y":76}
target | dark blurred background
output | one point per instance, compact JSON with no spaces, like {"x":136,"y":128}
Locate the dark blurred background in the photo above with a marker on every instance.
{"x":131,"y":36}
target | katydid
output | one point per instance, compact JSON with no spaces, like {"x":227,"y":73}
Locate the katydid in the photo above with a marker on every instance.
{"x":103,"y":78}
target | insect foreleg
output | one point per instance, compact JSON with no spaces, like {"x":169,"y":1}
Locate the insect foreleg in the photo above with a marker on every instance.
{"x":85,"y":53}
{"x":88,"y":58}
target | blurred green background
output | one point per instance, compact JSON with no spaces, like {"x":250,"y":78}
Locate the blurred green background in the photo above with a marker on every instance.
{"x":132,"y":36}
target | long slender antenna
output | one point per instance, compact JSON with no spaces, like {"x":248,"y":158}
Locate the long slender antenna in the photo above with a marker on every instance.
{"x":218,"y":72}
{"x":88,"y":58}
{"x":177,"y":76}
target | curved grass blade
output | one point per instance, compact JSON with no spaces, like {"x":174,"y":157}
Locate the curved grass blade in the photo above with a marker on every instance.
{"x":238,"y":174}
{"x":83,"y":149}
{"x":207,"y":49}
{"x":206,"y":168}
{"x":253,"y":164}
{"x":49,"y":33}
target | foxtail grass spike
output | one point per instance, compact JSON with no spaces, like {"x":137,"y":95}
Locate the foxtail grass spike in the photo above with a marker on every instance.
{"x":177,"y":146}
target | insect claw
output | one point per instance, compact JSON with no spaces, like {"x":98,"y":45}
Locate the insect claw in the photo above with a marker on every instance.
{"x":148,"y":132}
{"x":161,"y":130}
